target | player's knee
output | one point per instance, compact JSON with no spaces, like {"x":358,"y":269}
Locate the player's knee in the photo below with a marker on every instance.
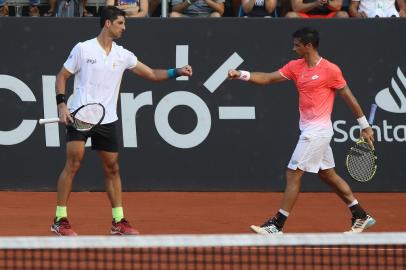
{"x":293,"y":177}
{"x":73,"y":165}
{"x":327,"y":175}
{"x":111,"y":168}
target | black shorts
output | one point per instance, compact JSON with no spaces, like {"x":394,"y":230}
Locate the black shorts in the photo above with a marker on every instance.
{"x":104,"y":137}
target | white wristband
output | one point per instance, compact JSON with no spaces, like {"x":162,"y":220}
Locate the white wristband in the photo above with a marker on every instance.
{"x":363,"y":122}
{"x":244,"y":75}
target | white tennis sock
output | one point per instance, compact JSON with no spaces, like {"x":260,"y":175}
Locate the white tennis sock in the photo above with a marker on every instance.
{"x":354,"y":202}
{"x":283,"y":212}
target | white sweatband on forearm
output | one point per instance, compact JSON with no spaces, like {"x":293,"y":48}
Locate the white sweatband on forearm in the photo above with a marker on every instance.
{"x":244,"y":75}
{"x":363,"y":122}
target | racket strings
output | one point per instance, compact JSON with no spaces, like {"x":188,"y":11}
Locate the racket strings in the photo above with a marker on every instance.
{"x":91,"y":114}
{"x":81,"y":125}
{"x":88,"y":116}
{"x":361,"y":162}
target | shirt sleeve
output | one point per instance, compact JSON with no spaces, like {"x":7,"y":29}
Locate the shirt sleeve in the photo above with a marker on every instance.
{"x":72,"y":64}
{"x":131,"y":60}
{"x":287,"y":71}
{"x":337,"y":80}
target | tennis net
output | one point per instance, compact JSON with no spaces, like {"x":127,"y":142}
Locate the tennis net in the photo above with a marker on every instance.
{"x":367,"y":251}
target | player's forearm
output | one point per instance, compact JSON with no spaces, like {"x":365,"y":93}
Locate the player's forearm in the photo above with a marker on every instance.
{"x":261,"y":78}
{"x":162,"y":74}
{"x":157,"y":75}
{"x":351,"y":102}
{"x":256,"y":77}
{"x":60,"y":84}
{"x":61,"y":79}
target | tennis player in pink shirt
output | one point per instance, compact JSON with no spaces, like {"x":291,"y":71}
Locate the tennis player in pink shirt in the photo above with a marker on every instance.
{"x":317,"y":81}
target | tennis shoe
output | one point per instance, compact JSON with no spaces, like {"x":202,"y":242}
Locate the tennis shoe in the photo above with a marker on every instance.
{"x":267,"y":228}
{"x":62,"y":228}
{"x":361,"y":224}
{"x":122,"y":227}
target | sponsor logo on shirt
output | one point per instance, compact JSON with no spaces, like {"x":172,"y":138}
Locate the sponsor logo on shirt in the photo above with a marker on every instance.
{"x":315,"y":77}
{"x":90,"y":61}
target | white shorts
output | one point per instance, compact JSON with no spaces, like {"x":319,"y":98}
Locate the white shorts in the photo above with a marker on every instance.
{"x":312,"y":153}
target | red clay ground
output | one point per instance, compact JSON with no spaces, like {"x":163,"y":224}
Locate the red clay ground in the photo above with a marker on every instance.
{"x":31,"y":213}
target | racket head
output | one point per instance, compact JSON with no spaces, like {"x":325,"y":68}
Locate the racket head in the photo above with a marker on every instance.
{"x":88,"y":116}
{"x":361,"y":161}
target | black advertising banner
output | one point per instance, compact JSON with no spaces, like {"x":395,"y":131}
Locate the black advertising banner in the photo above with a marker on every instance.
{"x":204,"y":133}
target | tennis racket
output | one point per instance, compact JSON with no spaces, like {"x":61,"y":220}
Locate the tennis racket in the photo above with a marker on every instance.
{"x":84,"y":118}
{"x":361,"y":159}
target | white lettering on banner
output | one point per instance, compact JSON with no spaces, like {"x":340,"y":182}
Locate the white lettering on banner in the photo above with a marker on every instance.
{"x":26,"y":128}
{"x":50,"y":111}
{"x":129,"y":109}
{"x":130,"y":105}
{"x":182,"y":59}
{"x":164,"y":129}
{"x":381,"y":134}
{"x":220,"y":75}
{"x":401,"y":129}
{"x":386,"y":101}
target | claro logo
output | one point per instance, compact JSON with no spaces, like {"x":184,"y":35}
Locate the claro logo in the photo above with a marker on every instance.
{"x":131,"y":104}
{"x":391,"y":99}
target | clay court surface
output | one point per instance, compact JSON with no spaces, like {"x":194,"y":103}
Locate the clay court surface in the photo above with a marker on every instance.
{"x":31,"y":213}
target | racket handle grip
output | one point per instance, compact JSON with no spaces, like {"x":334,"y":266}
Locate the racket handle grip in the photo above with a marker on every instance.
{"x":372,"y":113}
{"x":48,"y":120}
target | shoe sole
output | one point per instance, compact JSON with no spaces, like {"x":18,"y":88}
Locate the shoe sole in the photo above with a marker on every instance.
{"x":55,"y":232}
{"x":370,"y":223}
{"x":59,"y":234}
{"x":255,"y":229}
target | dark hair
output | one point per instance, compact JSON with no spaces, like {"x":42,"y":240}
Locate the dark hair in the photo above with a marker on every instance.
{"x":110,"y":13}
{"x":307,"y":35}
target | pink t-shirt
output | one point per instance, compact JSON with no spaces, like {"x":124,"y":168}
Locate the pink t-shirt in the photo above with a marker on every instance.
{"x":316,"y":87}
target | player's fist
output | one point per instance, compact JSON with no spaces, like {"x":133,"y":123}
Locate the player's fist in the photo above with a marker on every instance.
{"x":368,"y":135}
{"x":64,"y":114}
{"x":233,"y":74}
{"x":185,"y":71}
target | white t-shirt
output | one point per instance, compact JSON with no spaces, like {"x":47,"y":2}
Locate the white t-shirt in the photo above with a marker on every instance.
{"x":98,"y":75}
{"x":380,"y":8}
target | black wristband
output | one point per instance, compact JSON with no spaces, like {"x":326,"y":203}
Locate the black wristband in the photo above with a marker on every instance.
{"x":60,"y":98}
